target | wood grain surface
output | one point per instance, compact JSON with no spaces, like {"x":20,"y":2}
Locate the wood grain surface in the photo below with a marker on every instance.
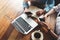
{"x":10,"y":9}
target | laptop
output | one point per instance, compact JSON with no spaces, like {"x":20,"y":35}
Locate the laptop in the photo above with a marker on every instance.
{"x":24,"y":24}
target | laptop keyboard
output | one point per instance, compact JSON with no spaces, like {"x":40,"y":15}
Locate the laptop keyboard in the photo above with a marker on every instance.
{"x":18,"y":27}
{"x":23,"y":24}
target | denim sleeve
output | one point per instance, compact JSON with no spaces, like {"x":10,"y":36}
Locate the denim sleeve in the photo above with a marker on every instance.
{"x":49,"y":5}
{"x":25,"y":5}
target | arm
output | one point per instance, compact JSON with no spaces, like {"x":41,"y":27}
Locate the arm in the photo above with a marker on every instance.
{"x":25,"y":4}
{"x":50,"y":12}
{"x":53,"y":10}
{"x":49,"y":5}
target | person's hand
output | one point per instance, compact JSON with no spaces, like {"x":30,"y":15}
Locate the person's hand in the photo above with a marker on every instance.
{"x":26,"y":10}
{"x":29,"y":14}
{"x":46,"y":16}
{"x":40,"y":12}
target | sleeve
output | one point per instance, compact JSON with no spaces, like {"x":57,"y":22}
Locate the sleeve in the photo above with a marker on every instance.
{"x":25,"y":5}
{"x":57,"y":8}
{"x":49,"y":5}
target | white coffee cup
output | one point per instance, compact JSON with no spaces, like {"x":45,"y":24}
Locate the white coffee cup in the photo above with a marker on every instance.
{"x":37,"y":35}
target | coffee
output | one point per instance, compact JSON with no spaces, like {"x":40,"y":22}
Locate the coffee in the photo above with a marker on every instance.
{"x":42,"y":19}
{"x":37,"y":35}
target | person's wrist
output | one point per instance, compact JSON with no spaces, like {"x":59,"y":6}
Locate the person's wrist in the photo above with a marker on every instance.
{"x":26,"y":10}
{"x":46,"y":15}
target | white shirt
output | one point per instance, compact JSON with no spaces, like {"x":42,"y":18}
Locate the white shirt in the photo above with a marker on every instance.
{"x":57,"y":8}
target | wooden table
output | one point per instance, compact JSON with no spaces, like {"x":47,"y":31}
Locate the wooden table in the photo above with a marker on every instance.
{"x":8,"y":32}
{"x":11,"y":9}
